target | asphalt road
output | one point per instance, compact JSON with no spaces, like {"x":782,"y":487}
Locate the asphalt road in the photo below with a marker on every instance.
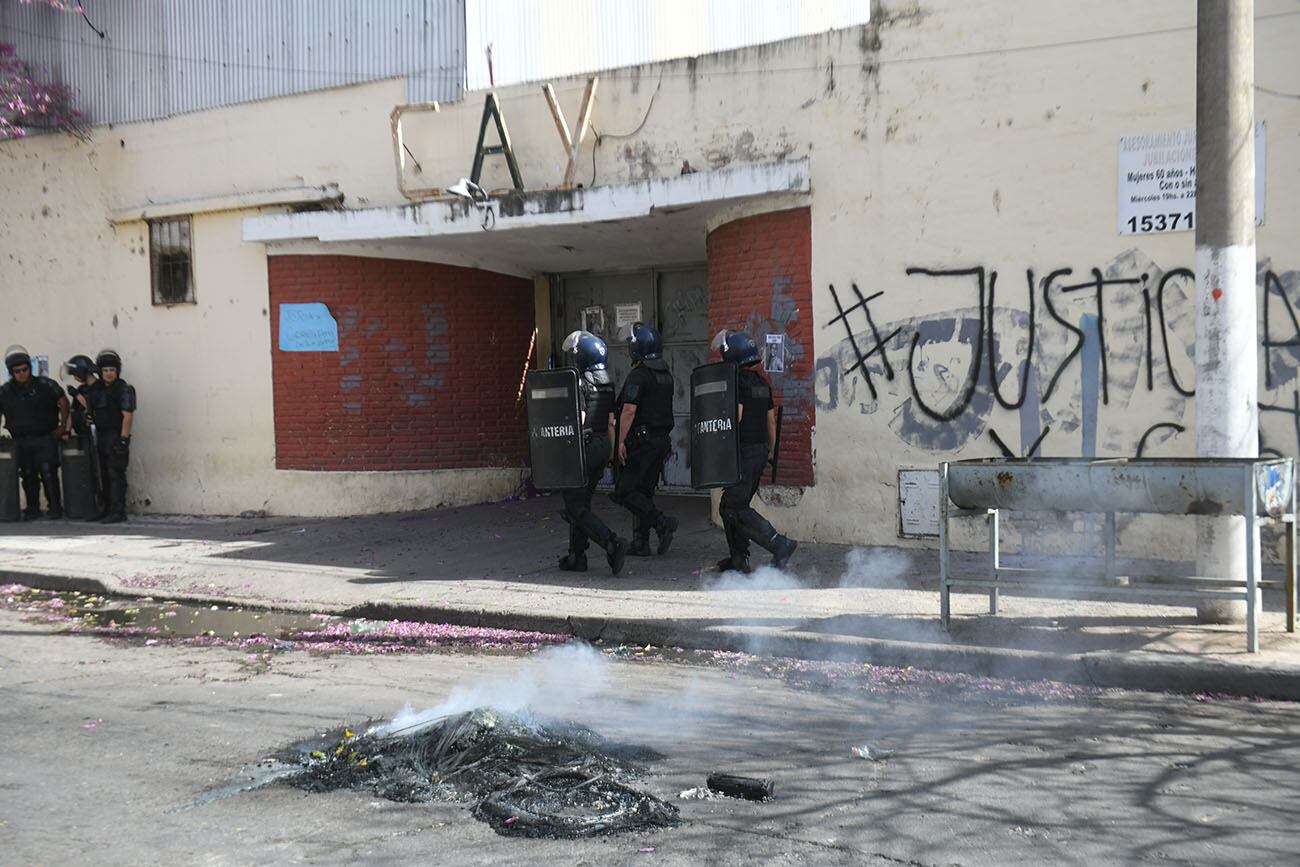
{"x":104,"y":742}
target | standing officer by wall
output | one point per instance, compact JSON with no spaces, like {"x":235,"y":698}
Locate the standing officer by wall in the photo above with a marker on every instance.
{"x":588,"y":354}
{"x":81,"y":369}
{"x":645,"y":439}
{"x":35,"y":411}
{"x":112,"y":405}
{"x":757,"y":422}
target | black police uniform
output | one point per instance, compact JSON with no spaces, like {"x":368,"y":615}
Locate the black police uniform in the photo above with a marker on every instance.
{"x":107,"y":403}
{"x":650,"y":388}
{"x":740,"y":521}
{"x":80,"y":415}
{"x":596,"y":399}
{"x":31,"y":413}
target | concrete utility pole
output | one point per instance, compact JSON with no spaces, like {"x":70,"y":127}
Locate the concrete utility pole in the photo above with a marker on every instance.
{"x":1227,"y":379}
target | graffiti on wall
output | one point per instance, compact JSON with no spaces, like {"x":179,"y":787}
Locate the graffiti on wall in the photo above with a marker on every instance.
{"x":1060,"y":354}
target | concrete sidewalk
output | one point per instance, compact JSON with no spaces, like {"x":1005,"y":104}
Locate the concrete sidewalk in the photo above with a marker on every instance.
{"x":494,"y":565}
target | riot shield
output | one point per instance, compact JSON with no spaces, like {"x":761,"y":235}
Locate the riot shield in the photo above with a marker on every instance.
{"x":715,"y":434}
{"x":555,"y":429}
{"x":9,"y":509}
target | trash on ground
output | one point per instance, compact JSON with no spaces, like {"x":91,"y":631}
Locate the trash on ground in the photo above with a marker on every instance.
{"x":749,"y":788}
{"x":872,"y":754}
{"x":699,"y":793}
{"x":524,"y":778}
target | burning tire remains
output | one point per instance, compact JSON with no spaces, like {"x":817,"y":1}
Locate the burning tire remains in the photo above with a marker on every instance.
{"x":524,"y":778}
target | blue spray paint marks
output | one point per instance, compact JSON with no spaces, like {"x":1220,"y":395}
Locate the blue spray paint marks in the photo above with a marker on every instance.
{"x":1029,"y":413}
{"x":1090,"y":382}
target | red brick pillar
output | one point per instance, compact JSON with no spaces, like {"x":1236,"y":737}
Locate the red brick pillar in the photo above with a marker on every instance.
{"x":760,"y":281}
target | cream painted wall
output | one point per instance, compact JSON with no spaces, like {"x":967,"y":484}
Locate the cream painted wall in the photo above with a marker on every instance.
{"x":935,"y":140}
{"x":71,"y":281}
{"x":939,"y":141}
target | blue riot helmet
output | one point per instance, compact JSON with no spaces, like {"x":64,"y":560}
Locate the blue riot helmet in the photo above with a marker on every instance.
{"x":586,"y":349}
{"x":643,"y":342}
{"x":736,"y":346}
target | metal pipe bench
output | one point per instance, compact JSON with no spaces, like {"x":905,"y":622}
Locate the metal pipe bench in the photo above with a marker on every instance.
{"x":1262,"y":492}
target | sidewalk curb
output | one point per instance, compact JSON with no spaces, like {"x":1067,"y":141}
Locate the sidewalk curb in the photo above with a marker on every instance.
{"x":1132,"y":670}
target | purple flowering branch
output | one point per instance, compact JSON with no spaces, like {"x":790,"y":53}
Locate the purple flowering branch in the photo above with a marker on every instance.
{"x":26,"y":102}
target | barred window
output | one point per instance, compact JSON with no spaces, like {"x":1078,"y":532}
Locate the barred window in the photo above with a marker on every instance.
{"x":169,"y":260}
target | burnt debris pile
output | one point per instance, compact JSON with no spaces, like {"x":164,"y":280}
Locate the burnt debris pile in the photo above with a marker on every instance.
{"x":523,"y":777}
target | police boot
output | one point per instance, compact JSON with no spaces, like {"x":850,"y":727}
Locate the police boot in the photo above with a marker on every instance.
{"x":615,"y":551}
{"x":640,"y":546}
{"x":116,"y":508}
{"x":782,"y":547}
{"x":574,"y":561}
{"x":664,"y":528}
{"x":735,"y":564}
{"x":53,"y":496}
{"x":32,"y":491}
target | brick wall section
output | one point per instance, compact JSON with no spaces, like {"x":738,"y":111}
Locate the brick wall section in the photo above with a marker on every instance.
{"x":427,"y":373}
{"x":760,"y":281}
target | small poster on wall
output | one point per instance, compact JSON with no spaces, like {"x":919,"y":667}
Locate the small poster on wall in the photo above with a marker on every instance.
{"x":307,"y":328}
{"x":593,"y":320}
{"x":774,"y":354}
{"x":626,"y":314}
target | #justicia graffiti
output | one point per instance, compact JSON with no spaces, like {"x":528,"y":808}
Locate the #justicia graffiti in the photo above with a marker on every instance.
{"x":1090,"y":361}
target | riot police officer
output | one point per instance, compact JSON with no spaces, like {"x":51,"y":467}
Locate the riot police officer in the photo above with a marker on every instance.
{"x":644,"y":439}
{"x":757,"y":434}
{"x":588,"y":354}
{"x":112,"y":406}
{"x":35,"y":411}
{"x":82,"y":370}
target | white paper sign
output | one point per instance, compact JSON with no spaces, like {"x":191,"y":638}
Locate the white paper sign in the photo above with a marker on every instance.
{"x":593,"y":320}
{"x":626,"y":314}
{"x":774,"y":356}
{"x":1157,"y":181}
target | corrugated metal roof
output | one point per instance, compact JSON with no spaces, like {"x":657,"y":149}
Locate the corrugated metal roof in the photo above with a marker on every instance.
{"x":165,"y":57}
{"x":536,"y":40}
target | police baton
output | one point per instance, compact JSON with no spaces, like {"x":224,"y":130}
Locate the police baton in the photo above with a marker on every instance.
{"x":776,"y":446}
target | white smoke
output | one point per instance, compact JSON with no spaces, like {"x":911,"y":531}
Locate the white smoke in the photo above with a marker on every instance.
{"x":546,"y":684}
{"x":762,"y":578}
{"x":876,"y":567}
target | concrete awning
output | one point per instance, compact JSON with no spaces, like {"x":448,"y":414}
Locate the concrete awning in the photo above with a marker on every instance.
{"x":656,"y":222}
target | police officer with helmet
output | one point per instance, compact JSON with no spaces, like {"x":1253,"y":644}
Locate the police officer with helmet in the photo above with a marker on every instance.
{"x":35,"y":411}
{"x":757,"y":429}
{"x":644,"y":439}
{"x":587,"y":352}
{"x":82,"y":370}
{"x":112,"y":406}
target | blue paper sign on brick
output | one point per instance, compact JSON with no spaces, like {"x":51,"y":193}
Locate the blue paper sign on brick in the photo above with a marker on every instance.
{"x":308,"y":328}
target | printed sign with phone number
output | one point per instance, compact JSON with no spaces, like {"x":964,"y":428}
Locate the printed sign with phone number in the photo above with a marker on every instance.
{"x":1157,"y":182}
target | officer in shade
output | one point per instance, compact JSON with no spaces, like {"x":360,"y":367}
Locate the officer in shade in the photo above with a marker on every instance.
{"x":112,"y":405}
{"x":35,"y":412}
{"x":757,"y":430}
{"x":644,"y":439}
{"x":587,"y":352}
{"x":82,"y":370}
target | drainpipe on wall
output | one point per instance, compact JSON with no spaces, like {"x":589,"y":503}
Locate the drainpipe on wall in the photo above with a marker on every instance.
{"x":1227,"y":405}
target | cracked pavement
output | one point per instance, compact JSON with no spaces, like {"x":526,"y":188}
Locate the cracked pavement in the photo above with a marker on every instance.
{"x":108,"y":743}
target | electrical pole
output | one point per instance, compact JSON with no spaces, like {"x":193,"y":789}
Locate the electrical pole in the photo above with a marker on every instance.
{"x":1227,"y":379}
